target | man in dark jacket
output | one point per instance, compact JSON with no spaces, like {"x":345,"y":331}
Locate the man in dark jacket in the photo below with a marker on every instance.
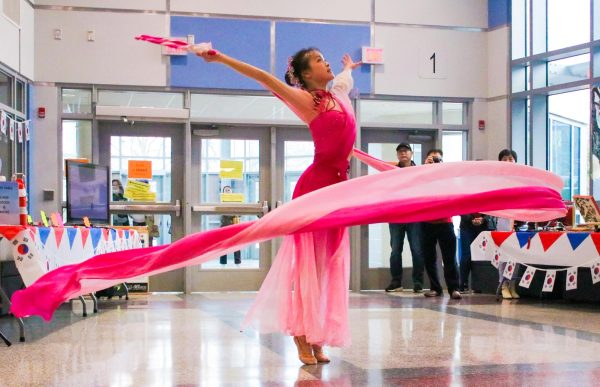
{"x":412,"y":231}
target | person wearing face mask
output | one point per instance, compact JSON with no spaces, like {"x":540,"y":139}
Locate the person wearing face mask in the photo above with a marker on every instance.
{"x":117,"y":195}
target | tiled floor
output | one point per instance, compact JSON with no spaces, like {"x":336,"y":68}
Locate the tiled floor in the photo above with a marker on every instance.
{"x":398,"y":339}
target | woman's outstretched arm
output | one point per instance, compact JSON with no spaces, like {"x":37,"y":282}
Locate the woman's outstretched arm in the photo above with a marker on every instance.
{"x":299,"y":100}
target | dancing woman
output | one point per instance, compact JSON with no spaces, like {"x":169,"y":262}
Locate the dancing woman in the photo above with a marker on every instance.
{"x":305,"y":293}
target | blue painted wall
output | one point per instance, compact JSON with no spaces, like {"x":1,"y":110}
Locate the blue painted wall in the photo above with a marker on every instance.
{"x":334,"y":40}
{"x":250,"y":41}
{"x":247,"y":40}
{"x":498,"y":13}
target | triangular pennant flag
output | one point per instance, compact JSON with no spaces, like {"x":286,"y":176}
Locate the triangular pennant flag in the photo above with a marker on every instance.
{"x":58,"y":233}
{"x":3,"y":122}
{"x":500,"y":236}
{"x":548,"y":238}
{"x":44,"y":234}
{"x":595,"y":269}
{"x":127,"y":233}
{"x":105,"y":233}
{"x":9,"y":232}
{"x":96,"y":235}
{"x":596,"y":239}
{"x":509,"y":269}
{"x":496,"y":259}
{"x":120,"y":232}
{"x":71,"y":233}
{"x":549,"y":281}
{"x":85,"y":232}
{"x":113,"y":234}
{"x":20,"y":131}
{"x":571,"y":278}
{"x":576,"y":238}
{"x":11,"y":129}
{"x":524,"y":237}
{"x":27,"y":127}
{"x":527,"y":277}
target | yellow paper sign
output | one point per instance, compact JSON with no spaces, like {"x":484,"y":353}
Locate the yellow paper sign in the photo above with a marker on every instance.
{"x":232,"y":198}
{"x":86,"y":221}
{"x":29,"y":219}
{"x":53,"y":219}
{"x":230,"y":169}
{"x":139,"y":169}
{"x":138,"y":191}
{"x":44,"y":218}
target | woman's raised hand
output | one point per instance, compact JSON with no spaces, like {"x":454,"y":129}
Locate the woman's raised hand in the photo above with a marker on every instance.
{"x":348,"y":63}
{"x":205,"y":51}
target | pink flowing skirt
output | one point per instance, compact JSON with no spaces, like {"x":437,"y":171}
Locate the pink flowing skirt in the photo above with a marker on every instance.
{"x":306,"y":290}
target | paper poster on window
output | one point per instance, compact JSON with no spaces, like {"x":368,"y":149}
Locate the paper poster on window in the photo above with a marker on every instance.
{"x":595,"y":123}
{"x":230,"y":169}
{"x":232,"y":198}
{"x":139,"y":191}
{"x":139,"y":169}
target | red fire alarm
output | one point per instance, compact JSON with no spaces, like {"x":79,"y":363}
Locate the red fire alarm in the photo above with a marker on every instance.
{"x":41,"y":112}
{"x":481,"y":124}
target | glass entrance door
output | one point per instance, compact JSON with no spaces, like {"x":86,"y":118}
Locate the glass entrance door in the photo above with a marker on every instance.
{"x":147,"y":166}
{"x":375,"y":238}
{"x":231,"y":183}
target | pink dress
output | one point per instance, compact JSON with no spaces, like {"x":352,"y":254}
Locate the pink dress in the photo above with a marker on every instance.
{"x":306,"y":289}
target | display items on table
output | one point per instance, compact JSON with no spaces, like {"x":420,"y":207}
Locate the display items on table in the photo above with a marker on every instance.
{"x":532,"y":249}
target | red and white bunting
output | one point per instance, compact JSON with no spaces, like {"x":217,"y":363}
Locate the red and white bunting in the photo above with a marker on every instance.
{"x":595,"y":269}
{"x":3,"y":122}
{"x":20,"y":131}
{"x":527,"y":277}
{"x":496,"y":259}
{"x":571,"y":281}
{"x":509,"y":269}
{"x":11,"y":129}
{"x":549,"y":281}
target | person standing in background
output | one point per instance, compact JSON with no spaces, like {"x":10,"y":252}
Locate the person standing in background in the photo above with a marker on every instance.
{"x":440,"y":231}
{"x":117,"y":196}
{"x":412,"y":231}
{"x":508,"y":287}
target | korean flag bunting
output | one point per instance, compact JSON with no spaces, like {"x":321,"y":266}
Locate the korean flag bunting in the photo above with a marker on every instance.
{"x":509,"y":270}
{"x":527,"y":277}
{"x":496,"y":259}
{"x":484,"y":243}
{"x":11,"y":130}
{"x":20,"y":131}
{"x":571,"y":278}
{"x":595,"y":269}
{"x":27,"y":123}
{"x":549,"y":281}
{"x":3,"y":122}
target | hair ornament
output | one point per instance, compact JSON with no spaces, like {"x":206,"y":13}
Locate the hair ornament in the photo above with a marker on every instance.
{"x":291,"y":74}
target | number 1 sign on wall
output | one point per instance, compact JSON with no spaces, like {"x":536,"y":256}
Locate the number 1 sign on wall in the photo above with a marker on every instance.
{"x":432,"y":63}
